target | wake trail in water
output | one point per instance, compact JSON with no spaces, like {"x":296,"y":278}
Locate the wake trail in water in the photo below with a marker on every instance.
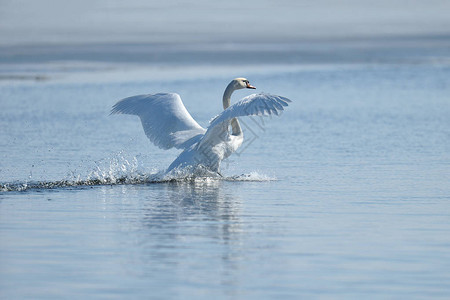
{"x":103,"y":179}
{"x":132,"y":180}
{"x":121,"y":170}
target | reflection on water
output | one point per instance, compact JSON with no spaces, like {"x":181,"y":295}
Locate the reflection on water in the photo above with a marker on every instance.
{"x":184,"y":229}
{"x":193,"y":202}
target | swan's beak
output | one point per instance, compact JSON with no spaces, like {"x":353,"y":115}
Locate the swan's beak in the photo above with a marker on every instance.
{"x":249,"y":86}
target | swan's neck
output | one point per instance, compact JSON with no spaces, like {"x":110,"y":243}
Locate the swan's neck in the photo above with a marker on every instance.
{"x":227,"y":95}
{"x":235,"y":126}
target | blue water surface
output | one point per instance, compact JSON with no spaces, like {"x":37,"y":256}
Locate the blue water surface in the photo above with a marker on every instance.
{"x":345,"y":195}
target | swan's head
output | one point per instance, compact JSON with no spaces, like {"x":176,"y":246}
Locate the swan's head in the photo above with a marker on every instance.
{"x":242,"y":83}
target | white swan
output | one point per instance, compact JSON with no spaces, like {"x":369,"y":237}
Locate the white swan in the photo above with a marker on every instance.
{"x":168,"y":124}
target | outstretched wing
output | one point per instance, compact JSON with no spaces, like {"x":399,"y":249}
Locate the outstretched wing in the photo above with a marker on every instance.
{"x":253,"y":105}
{"x":165,"y":119}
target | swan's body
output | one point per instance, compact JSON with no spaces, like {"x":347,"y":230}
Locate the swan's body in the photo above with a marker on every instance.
{"x":168,"y":124}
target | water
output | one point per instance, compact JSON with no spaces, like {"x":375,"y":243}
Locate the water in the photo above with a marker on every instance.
{"x":346,"y":195}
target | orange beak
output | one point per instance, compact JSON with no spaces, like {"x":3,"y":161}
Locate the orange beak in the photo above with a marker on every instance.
{"x":249,"y":86}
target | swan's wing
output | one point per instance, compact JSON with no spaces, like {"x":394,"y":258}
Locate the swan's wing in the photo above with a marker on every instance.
{"x":253,"y":105}
{"x":165,"y":119}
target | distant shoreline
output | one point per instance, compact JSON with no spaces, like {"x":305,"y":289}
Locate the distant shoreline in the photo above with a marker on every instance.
{"x":320,"y":50}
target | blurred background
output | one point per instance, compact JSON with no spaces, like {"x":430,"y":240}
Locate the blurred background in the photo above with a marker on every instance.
{"x":72,"y":36}
{"x":25,"y":22}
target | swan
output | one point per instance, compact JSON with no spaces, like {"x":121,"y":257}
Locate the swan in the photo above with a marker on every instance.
{"x":167,"y":123}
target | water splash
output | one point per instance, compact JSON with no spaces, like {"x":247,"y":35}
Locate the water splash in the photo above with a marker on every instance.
{"x":120,"y":170}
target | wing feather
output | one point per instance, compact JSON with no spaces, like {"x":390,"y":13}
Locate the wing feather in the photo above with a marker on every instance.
{"x":253,"y":105}
{"x":165,"y":119}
